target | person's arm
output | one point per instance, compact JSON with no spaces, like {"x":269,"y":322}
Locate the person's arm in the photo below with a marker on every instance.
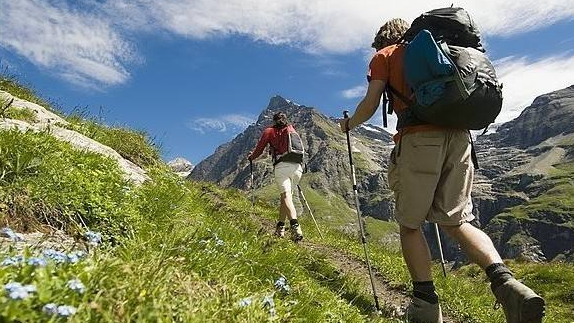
{"x":263,"y":141}
{"x":367,"y":107}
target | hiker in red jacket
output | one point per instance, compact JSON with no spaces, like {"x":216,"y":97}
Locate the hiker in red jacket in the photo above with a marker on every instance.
{"x":287,"y":153}
{"x":431,"y":174}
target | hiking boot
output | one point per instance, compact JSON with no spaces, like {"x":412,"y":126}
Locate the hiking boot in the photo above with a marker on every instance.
{"x":280,"y":231}
{"x":420,"y":311}
{"x":520,"y":303}
{"x":296,"y":233}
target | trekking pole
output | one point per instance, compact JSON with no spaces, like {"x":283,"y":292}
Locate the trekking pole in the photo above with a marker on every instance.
{"x":357,"y":206}
{"x":442,"y":262}
{"x":309,"y":209}
{"x":251,"y":186}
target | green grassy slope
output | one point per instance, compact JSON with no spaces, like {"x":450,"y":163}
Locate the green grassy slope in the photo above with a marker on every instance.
{"x":173,"y":250}
{"x":558,"y":201}
{"x":546,"y":217}
{"x":178,"y":251}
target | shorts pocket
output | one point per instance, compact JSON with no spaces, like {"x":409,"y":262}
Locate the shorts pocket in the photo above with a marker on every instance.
{"x":425,"y":154}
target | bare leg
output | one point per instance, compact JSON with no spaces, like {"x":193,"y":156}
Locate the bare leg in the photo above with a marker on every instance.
{"x":287,"y":207}
{"x":416,"y":253}
{"x":475,"y":243}
{"x":282,"y":211}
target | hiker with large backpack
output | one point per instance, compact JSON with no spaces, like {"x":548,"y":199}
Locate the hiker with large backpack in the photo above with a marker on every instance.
{"x":436,"y":78}
{"x":287,"y":153}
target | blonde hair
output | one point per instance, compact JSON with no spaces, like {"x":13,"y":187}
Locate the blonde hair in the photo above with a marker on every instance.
{"x":390,"y":33}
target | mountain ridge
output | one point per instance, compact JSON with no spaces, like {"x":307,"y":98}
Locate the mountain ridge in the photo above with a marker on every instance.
{"x":511,"y":175}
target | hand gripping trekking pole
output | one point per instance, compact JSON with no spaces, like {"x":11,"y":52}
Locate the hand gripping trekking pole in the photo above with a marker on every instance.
{"x":309,"y":209}
{"x":442,"y":262}
{"x":359,"y":218}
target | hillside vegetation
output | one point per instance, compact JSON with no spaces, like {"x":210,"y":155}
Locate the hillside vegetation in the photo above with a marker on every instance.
{"x":181,"y":251}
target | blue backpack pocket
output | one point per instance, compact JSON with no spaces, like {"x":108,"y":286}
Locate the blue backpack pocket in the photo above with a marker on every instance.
{"x":427,"y":68}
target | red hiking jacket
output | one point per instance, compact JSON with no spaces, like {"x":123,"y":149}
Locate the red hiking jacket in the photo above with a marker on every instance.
{"x":272,"y":136}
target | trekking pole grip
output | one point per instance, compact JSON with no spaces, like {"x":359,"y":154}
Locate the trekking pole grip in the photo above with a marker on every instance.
{"x":347,"y":132}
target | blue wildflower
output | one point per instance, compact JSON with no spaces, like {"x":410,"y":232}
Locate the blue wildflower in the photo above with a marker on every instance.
{"x":62,"y":310}
{"x":76,"y":256}
{"x":219,"y":242}
{"x":94,"y":238}
{"x":12,"y":261}
{"x":12,"y":286}
{"x":66,"y":310}
{"x":50,"y":309}
{"x":245,"y":302}
{"x":9,"y":233}
{"x":18,"y":291}
{"x":37,"y":262}
{"x":57,"y":256}
{"x":282,"y":285}
{"x":76,"y":285}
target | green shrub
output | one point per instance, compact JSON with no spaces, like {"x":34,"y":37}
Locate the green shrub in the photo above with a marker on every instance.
{"x":70,"y":188}
{"x":20,"y":114}
{"x":133,"y":145}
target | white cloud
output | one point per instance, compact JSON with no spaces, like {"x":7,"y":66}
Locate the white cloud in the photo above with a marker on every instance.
{"x":87,"y":43}
{"x":525,"y":79}
{"x":355,"y":92}
{"x":81,"y":47}
{"x":323,"y":25}
{"x":223,"y":123}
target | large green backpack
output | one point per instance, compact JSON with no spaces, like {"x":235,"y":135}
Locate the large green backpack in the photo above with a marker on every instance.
{"x":453,"y":80}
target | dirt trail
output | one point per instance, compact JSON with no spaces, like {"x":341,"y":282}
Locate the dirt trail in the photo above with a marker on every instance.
{"x":392,"y":301}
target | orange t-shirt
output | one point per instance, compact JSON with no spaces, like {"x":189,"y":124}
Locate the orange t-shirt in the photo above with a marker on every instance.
{"x":387,"y":65}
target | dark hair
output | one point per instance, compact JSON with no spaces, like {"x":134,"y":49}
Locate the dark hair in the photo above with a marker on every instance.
{"x":280,"y":120}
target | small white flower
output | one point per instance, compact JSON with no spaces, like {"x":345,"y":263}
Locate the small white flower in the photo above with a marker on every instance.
{"x":245,"y":302}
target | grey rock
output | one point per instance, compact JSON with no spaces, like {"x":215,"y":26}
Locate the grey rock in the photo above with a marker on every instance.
{"x":49,"y":122}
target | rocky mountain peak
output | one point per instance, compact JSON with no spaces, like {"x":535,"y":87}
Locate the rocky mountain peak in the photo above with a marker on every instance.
{"x":181,"y":166}
{"x":548,"y":116}
{"x":324,"y":144}
{"x":278,"y":102}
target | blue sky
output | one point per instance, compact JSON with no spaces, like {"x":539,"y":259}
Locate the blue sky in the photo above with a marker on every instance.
{"x":194,"y":73}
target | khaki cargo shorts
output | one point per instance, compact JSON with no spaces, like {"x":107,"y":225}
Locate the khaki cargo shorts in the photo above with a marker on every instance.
{"x":287,"y":176}
{"x":432,"y":178}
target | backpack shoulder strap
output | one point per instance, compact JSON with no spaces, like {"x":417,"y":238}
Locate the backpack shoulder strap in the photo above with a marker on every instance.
{"x":401,"y":96}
